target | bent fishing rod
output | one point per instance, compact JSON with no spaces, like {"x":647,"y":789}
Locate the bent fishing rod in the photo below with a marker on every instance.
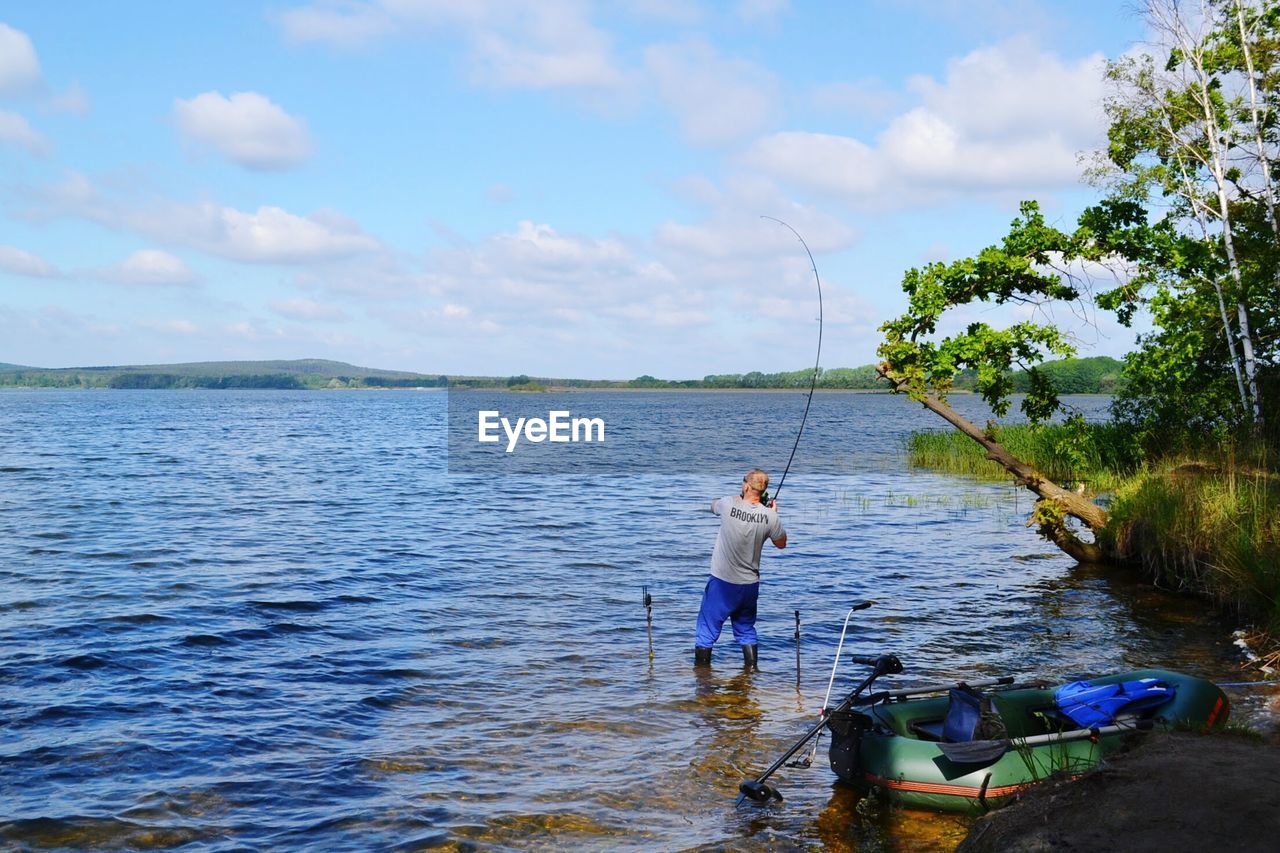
{"x":813,"y":384}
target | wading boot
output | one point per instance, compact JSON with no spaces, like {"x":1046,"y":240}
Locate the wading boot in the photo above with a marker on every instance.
{"x":701,"y":656}
{"x":749,"y":657}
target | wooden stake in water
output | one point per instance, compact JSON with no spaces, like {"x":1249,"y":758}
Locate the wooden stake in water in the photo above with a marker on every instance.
{"x":797,"y":650}
{"x":648,"y":616}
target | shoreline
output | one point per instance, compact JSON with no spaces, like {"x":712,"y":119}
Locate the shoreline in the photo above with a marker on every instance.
{"x":1174,"y":791}
{"x":549,"y":390}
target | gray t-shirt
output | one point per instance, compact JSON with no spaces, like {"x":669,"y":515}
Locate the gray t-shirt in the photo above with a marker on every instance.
{"x":743,"y":528}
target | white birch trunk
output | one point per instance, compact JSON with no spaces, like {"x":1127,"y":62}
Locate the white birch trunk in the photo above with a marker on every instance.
{"x":1193,"y":53}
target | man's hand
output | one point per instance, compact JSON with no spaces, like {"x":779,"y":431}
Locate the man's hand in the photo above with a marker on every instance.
{"x":773,"y":505}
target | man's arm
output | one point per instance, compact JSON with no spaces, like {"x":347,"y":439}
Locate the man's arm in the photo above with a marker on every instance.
{"x":780,"y":542}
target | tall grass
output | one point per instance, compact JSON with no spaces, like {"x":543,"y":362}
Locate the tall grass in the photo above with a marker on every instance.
{"x":1208,"y":523}
{"x":1100,"y":456}
{"x":1209,"y":528}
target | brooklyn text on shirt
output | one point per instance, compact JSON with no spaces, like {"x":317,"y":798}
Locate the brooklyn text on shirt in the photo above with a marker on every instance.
{"x":753,"y":517}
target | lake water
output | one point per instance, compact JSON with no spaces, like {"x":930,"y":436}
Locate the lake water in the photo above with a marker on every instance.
{"x":245,"y":620}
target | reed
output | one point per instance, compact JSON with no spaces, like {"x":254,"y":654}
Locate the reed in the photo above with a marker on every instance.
{"x":1099,"y":456}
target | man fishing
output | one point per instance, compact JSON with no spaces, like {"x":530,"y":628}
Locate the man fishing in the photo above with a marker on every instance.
{"x":746,"y":520}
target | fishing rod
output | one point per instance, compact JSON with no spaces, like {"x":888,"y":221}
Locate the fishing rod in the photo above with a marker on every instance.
{"x":816,"y":361}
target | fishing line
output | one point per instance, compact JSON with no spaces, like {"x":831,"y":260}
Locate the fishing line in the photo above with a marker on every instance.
{"x":816,"y":361}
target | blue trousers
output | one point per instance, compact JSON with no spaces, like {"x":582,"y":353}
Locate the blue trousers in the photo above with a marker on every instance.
{"x":723,"y":600}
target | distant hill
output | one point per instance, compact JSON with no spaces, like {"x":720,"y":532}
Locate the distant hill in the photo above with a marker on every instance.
{"x":1070,"y":376}
{"x":297,"y":374}
{"x":1097,"y":375}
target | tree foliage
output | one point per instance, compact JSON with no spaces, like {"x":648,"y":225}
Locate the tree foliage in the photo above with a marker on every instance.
{"x":1194,"y":147}
{"x":1020,"y":271}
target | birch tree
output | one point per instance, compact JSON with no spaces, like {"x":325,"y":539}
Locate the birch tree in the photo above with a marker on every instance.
{"x":1192,"y":130}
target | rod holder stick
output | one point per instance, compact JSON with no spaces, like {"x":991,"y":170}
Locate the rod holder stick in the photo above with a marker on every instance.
{"x":797,"y":650}
{"x":648,"y":616}
{"x":826,"y":700}
{"x":836,"y":663}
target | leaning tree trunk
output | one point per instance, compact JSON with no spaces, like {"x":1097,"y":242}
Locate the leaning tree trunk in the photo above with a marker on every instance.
{"x":1054,"y":505}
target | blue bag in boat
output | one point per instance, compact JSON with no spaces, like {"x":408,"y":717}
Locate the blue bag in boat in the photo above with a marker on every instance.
{"x":964,"y":712}
{"x":1089,"y":705}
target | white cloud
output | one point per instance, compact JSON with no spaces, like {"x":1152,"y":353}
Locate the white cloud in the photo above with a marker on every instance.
{"x":733,"y":236}
{"x":246,"y":127}
{"x":73,"y":101}
{"x":868,"y":97}
{"x":540,"y":250}
{"x":758,"y":11}
{"x":268,"y":235}
{"x":679,"y":12}
{"x":500,"y":194}
{"x":988,"y":126}
{"x":717,"y":99}
{"x":46,"y":334}
{"x":536,"y":276}
{"x":547,"y":290}
{"x":925,"y":149}
{"x":149,"y":267}
{"x":178,"y":327}
{"x":341,"y":24}
{"x":544,"y":45}
{"x":306,"y":310}
{"x":823,"y":162}
{"x":14,"y":129}
{"x":20,"y":262}
{"x":1015,"y":89}
{"x":19,"y":67}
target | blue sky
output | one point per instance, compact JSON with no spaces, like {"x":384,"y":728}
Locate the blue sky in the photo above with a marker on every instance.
{"x":555,"y":188}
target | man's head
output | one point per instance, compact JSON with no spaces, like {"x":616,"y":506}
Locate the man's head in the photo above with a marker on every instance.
{"x":755,"y":482}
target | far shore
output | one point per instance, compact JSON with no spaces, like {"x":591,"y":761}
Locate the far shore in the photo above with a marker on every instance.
{"x":550,"y":389}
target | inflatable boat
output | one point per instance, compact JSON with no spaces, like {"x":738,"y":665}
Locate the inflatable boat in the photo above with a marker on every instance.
{"x":970,"y":747}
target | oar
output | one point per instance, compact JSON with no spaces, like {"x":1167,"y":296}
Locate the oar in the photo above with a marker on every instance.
{"x":882,"y":695}
{"x":984,"y":752}
{"x":757,"y":790}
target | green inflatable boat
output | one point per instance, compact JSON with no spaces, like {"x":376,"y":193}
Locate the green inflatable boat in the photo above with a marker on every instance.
{"x":969,"y":748}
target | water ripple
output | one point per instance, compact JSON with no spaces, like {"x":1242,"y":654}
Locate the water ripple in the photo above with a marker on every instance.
{"x":240,"y":620}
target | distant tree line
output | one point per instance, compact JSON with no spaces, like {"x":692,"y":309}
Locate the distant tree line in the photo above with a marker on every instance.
{"x":145,"y":380}
{"x":1100,"y":375}
{"x":1072,"y":376}
{"x":169,"y":380}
